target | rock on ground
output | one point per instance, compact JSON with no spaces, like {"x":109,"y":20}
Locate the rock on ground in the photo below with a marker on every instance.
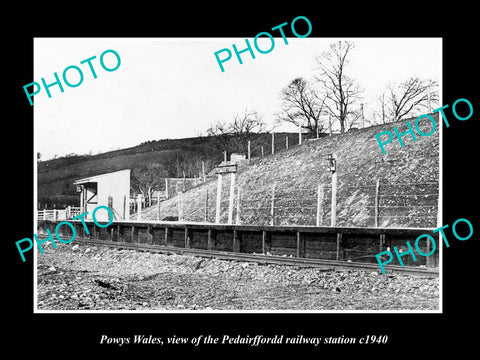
{"x":86,"y":277}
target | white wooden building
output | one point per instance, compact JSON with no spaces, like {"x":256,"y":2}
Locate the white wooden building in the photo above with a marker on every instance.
{"x":110,"y":189}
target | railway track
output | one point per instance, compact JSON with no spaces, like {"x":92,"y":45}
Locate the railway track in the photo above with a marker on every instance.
{"x":322,"y":264}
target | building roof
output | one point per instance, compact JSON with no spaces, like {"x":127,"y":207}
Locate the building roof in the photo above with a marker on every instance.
{"x":97,"y":177}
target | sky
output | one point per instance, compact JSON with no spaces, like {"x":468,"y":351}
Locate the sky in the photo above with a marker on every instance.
{"x":174,"y":88}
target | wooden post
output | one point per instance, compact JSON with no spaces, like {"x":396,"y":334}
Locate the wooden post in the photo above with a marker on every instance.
{"x":225,"y":157}
{"x":203,"y":170}
{"x":210,"y":240}
{"x":231,"y":198}
{"x":183,"y":182}
{"x":166,"y":188}
{"x":158,"y":208}
{"x":206,"y":206}
{"x":339,"y":240}
{"x":249,"y":151}
{"x":219,"y":199}
{"x":272,"y":208}
{"x":139,"y":206}
{"x":286,"y":142}
{"x":264,"y":242}
{"x":273,"y":142}
{"x":382,"y":241}
{"x":317,"y":131}
{"x":377,"y":188}
{"x":301,"y":245}
{"x":262,"y":150}
{"x":239,"y":198}
{"x":333,"y":221}
{"x":187,"y":239}
{"x":82,"y":200}
{"x":180,"y":205}
{"x":166,"y":236}
{"x":299,"y":135}
{"x":319,"y":205}
{"x":236,"y":241}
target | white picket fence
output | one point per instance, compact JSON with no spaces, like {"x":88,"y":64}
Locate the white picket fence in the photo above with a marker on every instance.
{"x":59,"y":214}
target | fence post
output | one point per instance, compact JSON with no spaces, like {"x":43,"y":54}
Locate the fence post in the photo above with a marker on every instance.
{"x":249,"y":151}
{"x":262,"y":150}
{"x":377,"y":188}
{"x":219,"y":199}
{"x":299,"y":135}
{"x":139,"y":206}
{"x":286,"y":142}
{"x":333,"y":221}
{"x":231,"y":198}
{"x":319,"y":205}
{"x":272,"y":209}
{"x":239,"y":197}
{"x":203,"y":170}
{"x":180,"y":204}
{"x":166,"y":188}
{"x":183,"y":182}
{"x":158,"y":208}
{"x":273,"y":142}
{"x":206,"y":206}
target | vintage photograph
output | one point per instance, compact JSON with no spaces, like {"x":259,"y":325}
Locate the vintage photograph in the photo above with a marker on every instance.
{"x":268,"y":174}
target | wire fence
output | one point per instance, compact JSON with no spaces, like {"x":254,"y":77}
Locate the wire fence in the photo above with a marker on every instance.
{"x":373,"y":204}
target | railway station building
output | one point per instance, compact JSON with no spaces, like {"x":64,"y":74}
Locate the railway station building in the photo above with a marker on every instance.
{"x":110,"y":189}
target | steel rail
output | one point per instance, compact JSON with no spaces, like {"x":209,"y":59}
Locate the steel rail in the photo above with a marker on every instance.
{"x":322,"y":264}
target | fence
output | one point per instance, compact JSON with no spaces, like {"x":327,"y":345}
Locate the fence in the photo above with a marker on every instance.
{"x":339,"y":245}
{"x":373,"y":204}
{"x":59,"y":214}
{"x":170,"y":188}
{"x":278,"y":142}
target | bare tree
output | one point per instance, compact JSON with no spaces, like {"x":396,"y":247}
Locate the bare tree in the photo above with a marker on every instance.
{"x":341,"y":91}
{"x":146,"y":180}
{"x":233,"y":136}
{"x":412,"y":95}
{"x":301,"y":106}
{"x":354,"y":118}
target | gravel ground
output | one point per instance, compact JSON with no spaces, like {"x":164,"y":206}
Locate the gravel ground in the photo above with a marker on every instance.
{"x":86,"y":277}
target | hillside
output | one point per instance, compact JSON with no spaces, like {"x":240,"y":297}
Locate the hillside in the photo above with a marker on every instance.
{"x":408,"y":176}
{"x":55,"y":177}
